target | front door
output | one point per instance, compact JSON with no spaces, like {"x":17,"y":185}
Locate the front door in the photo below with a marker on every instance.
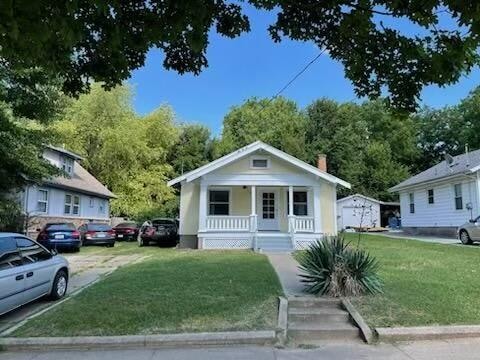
{"x":268,"y":210}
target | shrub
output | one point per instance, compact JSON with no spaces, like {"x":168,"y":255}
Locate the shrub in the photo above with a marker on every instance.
{"x":332,"y":267}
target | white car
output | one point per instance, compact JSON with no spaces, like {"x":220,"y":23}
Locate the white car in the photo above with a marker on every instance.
{"x":470,"y":231}
{"x":29,"y":271}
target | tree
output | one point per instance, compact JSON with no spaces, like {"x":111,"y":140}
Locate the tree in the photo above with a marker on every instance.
{"x":192,"y":149}
{"x":448,"y":130}
{"x":359,"y":144}
{"x":125,"y":152}
{"x":105,"y":40}
{"x":28,"y":99}
{"x":279,"y":123}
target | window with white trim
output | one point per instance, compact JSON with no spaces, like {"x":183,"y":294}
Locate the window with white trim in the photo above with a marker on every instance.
{"x":218,"y":202}
{"x":458,"y":196}
{"x":411,"y":197}
{"x":42,"y":201}
{"x":300,"y":203}
{"x":259,"y":162}
{"x":72,"y":205}
{"x":101,"y":206}
{"x":431,"y":196}
{"x":67,"y":165}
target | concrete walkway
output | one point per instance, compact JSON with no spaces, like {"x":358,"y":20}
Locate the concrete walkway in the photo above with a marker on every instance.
{"x":424,"y":238}
{"x":85,"y":270}
{"x":468,"y":349}
{"x":287,"y":270}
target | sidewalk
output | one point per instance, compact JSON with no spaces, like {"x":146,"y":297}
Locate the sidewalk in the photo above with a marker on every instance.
{"x":287,"y":270}
{"x":466,"y":349}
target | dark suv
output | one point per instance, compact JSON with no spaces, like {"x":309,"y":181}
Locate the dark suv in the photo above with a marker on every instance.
{"x":159,"y":231}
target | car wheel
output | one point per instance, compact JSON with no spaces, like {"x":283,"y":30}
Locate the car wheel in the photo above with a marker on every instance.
{"x":111,"y":245}
{"x":465,"y":238}
{"x":60,"y":285}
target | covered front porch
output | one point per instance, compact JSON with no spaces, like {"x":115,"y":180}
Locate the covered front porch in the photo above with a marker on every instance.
{"x":260,"y":217}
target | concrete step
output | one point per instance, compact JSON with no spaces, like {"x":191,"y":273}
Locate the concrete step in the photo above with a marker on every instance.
{"x":314,"y":302}
{"x":318,"y":315}
{"x":306,"y":332}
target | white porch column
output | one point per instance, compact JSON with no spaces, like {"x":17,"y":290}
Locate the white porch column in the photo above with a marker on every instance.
{"x":317,"y":210}
{"x":290,"y":209}
{"x":253,"y":216}
{"x":202,"y":208}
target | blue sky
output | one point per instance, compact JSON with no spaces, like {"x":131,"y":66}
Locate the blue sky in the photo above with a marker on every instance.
{"x":253,"y":65}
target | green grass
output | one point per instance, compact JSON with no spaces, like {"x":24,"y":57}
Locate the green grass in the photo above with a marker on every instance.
{"x":172,"y":291}
{"x":425,"y":284}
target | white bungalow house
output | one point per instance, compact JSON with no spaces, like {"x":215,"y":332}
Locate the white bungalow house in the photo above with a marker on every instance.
{"x":443,"y":197}
{"x":257,"y":197}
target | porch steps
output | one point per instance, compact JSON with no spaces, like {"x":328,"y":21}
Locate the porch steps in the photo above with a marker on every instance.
{"x":274,"y":242}
{"x":313,"y":320}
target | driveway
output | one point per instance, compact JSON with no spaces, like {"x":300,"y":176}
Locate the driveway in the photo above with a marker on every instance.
{"x":85,"y":269}
{"x":424,"y":238}
{"x":439,"y":350}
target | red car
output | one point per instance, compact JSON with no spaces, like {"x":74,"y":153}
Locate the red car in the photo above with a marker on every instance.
{"x":127,"y":231}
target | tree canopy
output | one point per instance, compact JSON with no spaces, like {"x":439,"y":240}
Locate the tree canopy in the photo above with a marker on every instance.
{"x":126,"y":152}
{"x":105,"y":40}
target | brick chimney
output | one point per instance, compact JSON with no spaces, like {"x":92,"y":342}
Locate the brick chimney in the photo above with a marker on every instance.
{"x":322,"y":162}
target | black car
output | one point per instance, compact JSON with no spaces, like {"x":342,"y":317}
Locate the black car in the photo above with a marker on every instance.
{"x":97,"y":234}
{"x":159,"y":231}
{"x":127,"y":231}
{"x":59,"y":236}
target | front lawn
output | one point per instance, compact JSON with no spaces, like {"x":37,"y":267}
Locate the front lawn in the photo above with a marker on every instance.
{"x":425,"y":284}
{"x":172,"y":291}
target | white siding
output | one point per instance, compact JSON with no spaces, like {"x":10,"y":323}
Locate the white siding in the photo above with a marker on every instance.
{"x":56,"y":202}
{"x":442,"y":212}
{"x":349,"y":213}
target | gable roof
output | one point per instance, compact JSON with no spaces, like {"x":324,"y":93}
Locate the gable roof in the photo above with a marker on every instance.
{"x":462,"y":164}
{"x":369,"y":199}
{"x":65,"y":152}
{"x":249,"y":149}
{"x":81,"y":181}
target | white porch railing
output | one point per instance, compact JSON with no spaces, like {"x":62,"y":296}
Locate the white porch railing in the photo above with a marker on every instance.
{"x":228,"y":223}
{"x":303,"y":224}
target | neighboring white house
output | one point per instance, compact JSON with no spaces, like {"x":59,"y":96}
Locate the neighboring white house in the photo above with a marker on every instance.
{"x":75,"y":197}
{"x":257,"y":197}
{"x":439,"y":199}
{"x":358,"y":211}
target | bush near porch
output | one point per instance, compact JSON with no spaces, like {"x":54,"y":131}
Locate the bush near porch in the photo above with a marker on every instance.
{"x":424,"y":283}
{"x":172,"y":291}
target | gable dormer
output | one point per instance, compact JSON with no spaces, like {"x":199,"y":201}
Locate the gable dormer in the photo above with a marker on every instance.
{"x":62,"y":158}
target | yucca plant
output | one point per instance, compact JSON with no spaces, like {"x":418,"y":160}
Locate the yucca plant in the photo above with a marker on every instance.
{"x":332,"y":267}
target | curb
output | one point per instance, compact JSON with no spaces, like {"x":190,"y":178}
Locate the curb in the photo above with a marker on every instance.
{"x":266,"y":337}
{"x":282,"y":320}
{"x":428,"y":333}
{"x":367,"y":333}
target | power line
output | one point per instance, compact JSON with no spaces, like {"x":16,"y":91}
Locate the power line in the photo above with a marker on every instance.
{"x":292,"y":80}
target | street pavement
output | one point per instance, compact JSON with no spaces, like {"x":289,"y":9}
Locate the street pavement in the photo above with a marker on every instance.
{"x":460,"y":349}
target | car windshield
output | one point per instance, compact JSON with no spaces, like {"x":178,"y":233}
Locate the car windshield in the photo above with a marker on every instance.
{"x":162,"y":222}
{"x":60,"y":227}
{"x":99,"y":227}
{"x":126,"y":225}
